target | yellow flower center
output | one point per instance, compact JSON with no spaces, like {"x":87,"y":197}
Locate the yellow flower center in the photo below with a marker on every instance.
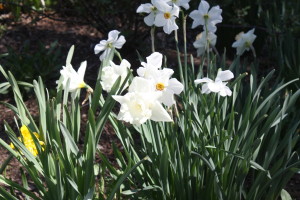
{"x":206,"y":16}
{"x":81,"y":85}
{"x":167,"y":15}
{"x":160,"y":86}
{"x":247,"y":44}
{"x":109,"y":45}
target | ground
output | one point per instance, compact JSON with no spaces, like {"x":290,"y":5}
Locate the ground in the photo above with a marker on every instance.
{"x":66,"y":33}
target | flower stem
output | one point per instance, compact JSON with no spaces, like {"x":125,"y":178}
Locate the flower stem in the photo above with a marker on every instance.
{"x":152,"y":32}
{"x":207,"y":50}
{"x":185,"y":52}
{"x":178,"y":58}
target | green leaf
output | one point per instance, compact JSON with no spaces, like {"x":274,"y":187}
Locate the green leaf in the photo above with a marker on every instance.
{"x":70,"y":143}
{"x":123,"y":177}
{"x":18,"y":187}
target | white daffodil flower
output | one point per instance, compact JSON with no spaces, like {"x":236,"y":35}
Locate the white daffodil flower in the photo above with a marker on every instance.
{"x":154,"y":62}
{"x":218,"y":85}
{"x":167,"y":86}
{"x":141,"y":103}
{"x":160,"y":78}
{"x":166,"y":16}
{"x":181,"y":3}
{"x":113,"y":41}
{"x":204,"y":41}
{"x":148,"y":8}
{"x":244,"y":42}
{"x":111,"y":73}
{"x":208,"y":19}
{"x":76,"y":78}
{"x":151,"y":10}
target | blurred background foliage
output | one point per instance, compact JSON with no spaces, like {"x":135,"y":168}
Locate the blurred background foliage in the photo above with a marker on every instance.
{"x":276,"y":22}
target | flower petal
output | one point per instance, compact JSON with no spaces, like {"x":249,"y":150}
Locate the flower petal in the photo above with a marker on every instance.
{"x":155,"y":59}
{"x":170,"y":26}
{"x":203,"y":7}
{"x":119,"y":43}
{"x":159,"y":113}
{"x":149,"y":20}
{"x":113,"y":35}
{"x":203,"y":80}
{"x":214,"y":87}
{"x":167,"y":98}
{"x":100,"y":47}
{"x":160,"y":20}
{"x":81,"y":69}
{"x":175,"y":86}
{"x":225,"y":75}
{"x":144,"y":8}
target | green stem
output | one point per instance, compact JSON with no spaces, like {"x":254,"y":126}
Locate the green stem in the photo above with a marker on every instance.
{"x":118,"y":55}
{"x":179,"y":60}
{"x":152,"y":32}
{"x":185,"y":52}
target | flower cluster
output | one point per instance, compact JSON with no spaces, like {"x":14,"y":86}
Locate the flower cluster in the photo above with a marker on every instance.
{"x":28,"y":140}
{"x":162,"y":13}
{"x":152,"y":87}
{"x":208,"y":18}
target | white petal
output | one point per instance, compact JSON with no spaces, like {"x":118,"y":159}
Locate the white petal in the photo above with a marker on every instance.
{"x":222,"y":92}
{"x":144,"y":8}
{"x":205,"y":89}
{"x":211,"y":27}
{"x":225,"y":75}
{"x":141,"y":71}
{"x":159,"y":113}
{"x":81,"y":70}
{"x":215,"y":14}
{"x":149,"y":20}
{"x":162,"y":6}
{"x":203,"y":80}
{"x":214,"y":87}
{"x":228,"y":91}
{"x":168,"y":72}
{"x":142,"y":85}
{"x":203,"y":6}
{"x":160,"y":20}
{"x":105,"y":54}
{"x":170,"y":26}
{"x":197,"y":17}
{"x":167,"y":98}
{"x":100,"y":47}
{"x":155,"y":59}
{"x":175,"y":86}
{"x":119,"y":43}
{"x":175,"y":11}
{"x":113,"y":35}
{"x":118,"y":98}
